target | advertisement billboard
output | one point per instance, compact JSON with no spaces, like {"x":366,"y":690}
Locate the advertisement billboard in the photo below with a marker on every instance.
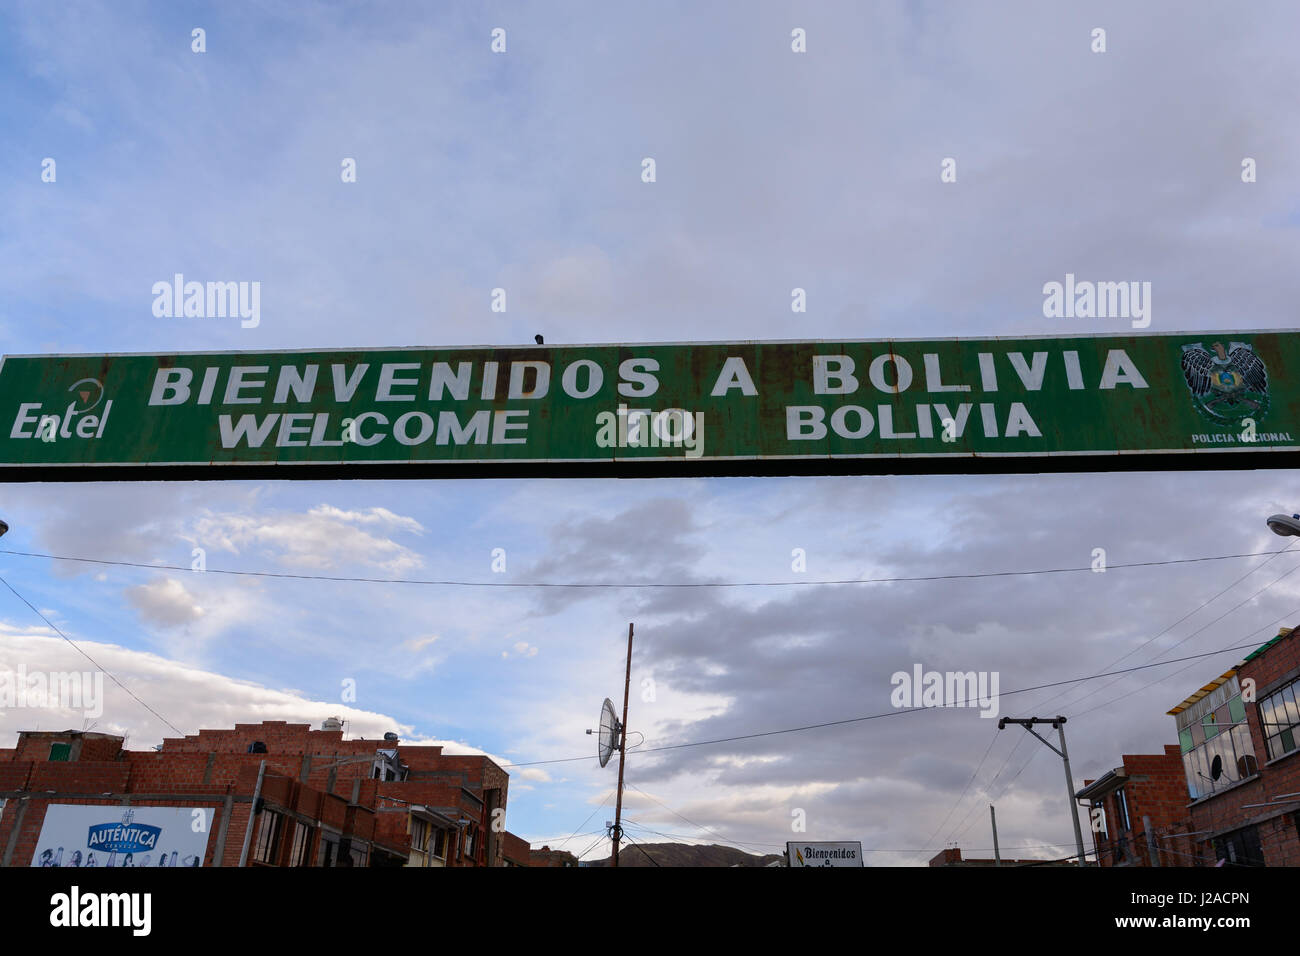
{"x":76,"y":835}
{"x":824,"y":854}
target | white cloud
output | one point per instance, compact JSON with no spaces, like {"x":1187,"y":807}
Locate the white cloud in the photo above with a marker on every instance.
{"x":187,"y":697}
{"x":165,"y":602}
{"x":324,"y":538}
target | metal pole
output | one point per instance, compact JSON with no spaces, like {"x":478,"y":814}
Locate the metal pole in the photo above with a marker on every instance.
{"x":997,"y":854}
{"x":248,"y":830}
{"x":1069,"y":790}
{"x":1153,"y":851}
{"x":622,"y":751}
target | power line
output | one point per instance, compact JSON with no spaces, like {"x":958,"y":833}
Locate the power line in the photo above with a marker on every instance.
{"x":585,"y":822}
{"x":98,"y":666}
{"x":1189,"y":614}
{"x":1006,"y":786}
{"x":730,"y":844}
{"x":548,"y":840}
{"x":962,"y":795}
{"x":686,"y":836}
{"x":1114,"y":700}
{"x":961,"y":826}
{"x":628,"y":585}
{"x":641,"y":848}
{"x":698,"y":826}
{"x":1122,"y":657}
{"x":1199,"y":630}
{"x":973,"y":849}
{"x":593,"y":845}
{"x":1224,"y":650}
{"x":889,"y":713}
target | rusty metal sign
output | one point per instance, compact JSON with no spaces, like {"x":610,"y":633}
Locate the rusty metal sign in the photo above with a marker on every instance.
{"x":1199,"y":399}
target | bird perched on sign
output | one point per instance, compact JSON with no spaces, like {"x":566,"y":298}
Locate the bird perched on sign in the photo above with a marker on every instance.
{"x":538,"y":339}
{"x":1224,"y":379}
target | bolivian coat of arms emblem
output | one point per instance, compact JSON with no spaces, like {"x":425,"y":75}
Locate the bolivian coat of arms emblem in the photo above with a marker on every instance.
{"x":1227,"y":384}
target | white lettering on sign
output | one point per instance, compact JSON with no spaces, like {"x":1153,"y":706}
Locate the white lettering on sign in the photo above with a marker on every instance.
{"x":305,"y":429}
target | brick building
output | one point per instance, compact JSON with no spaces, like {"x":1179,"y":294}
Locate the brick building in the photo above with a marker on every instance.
{"x":952,"y":857}
{"x":1143,"y":818}
{"x":548,"y":857}
{"x":516,"y":850}
{"x":314,"y":798}
{"x":1239,"y":738}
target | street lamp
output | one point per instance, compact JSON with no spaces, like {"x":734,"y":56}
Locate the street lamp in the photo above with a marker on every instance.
{"x":1059,"y":723}
{"x":1285,"y":525}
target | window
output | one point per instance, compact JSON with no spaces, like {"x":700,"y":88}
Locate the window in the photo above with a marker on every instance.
{"x":387,"y":766}
{"x":440,"y":843}
{"x":268,"y":838}
{"x":1215,"y":741}
{"x":298,"y":854}
{"x":60,"y":751}
{"x":329,"y":849}
{"x":1240,"y":848}
{"x":1279,"y":719}
{"x":419,"y":835}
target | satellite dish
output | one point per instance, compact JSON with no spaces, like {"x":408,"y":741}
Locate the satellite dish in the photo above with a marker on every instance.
{"x":1216,"y":768}
{"x":611,"y":732}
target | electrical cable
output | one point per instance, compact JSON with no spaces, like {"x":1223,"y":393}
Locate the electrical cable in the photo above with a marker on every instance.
{"x":585,"y":822}
{"x":626,"y":585}
{"x":890,"y":713}
{"x":1189,"y":614}
{"x":698,"y":826}
{"x":641,"y":848}
{"x":1199,"y":630}
{"x":98,"y":666}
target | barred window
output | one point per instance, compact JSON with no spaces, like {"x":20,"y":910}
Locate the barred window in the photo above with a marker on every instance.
{"x":1279,"y":717}
{"x":268,"y":838}
{"x":301,"y":844}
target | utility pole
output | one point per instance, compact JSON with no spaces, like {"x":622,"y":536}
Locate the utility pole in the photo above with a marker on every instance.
{"x":997,"y":854}
{"x":1153,"y":851}
{"x":622,"y":752}
{"x":1059,"y":723}
{"x":252,"y":813}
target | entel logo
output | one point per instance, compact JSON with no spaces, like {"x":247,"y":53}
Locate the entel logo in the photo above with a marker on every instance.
{"x":50,"y":427}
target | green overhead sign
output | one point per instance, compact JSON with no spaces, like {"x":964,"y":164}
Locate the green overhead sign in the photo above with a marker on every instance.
{"x":1196,"y":399}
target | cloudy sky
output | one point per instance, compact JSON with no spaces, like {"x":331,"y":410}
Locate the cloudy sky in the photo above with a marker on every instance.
{"x":775,"y":170}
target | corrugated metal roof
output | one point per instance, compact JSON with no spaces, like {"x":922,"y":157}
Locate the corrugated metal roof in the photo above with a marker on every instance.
{"x":1218,"y":682}
{"x":1205,"y":691}
{"x":1284,"y":632}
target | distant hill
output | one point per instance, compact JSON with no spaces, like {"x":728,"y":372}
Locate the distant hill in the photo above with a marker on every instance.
{"x":684,"y":854}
